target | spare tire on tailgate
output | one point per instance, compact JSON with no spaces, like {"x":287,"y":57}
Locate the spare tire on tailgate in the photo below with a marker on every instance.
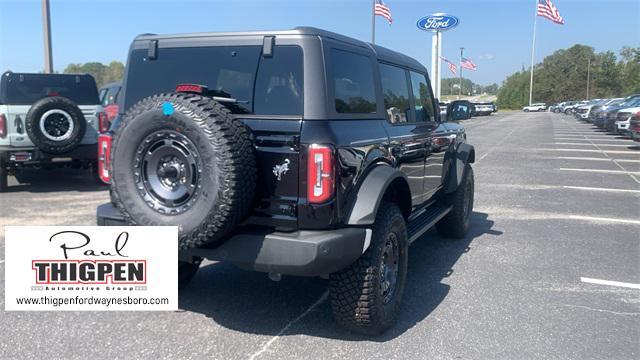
{"x":55,"y":124}
{"x":182,"y":159}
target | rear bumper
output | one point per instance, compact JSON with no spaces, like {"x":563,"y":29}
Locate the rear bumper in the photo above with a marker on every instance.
{"x":83,"y":153}
{"x":301,"y":253}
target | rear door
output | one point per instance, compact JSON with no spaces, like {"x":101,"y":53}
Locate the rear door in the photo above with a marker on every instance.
{"x":409,"y":135}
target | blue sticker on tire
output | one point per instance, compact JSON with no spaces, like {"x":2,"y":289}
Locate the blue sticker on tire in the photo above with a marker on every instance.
{"x":167,"y":109}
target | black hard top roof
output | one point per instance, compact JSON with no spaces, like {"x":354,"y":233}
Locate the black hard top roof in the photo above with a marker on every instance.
{"x":382,"y":53}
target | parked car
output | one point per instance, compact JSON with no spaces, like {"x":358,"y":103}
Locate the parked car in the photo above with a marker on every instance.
{"x":47,"y":120}
{"x":582,"y":112}
{"x":611,"y":114}
{"x":109,"y":99}
{"x":596,"y":115}
{"x":290,"y":164}
{"x":623,"y":120}
{"x":567,"y":105}
{"x":634,"y":127}
{"x":485,"y":108}
{"x":535,"y":107}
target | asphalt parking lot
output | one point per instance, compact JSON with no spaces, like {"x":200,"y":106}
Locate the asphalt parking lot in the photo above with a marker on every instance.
{"x":550,"y":269}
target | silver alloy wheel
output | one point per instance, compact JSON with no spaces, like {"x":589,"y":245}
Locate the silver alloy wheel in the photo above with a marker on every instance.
{"x":56,"y":125}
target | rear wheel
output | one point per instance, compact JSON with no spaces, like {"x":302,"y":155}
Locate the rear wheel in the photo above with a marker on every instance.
{"x":526,"y":110}
{"x":366,"y":296}
{"x":456,"y":223}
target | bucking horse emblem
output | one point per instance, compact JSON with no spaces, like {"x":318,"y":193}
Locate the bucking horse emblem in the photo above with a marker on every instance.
{"x":281,"y":169}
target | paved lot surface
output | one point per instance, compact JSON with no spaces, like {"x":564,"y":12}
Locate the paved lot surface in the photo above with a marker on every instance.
{"x":557,"y":204}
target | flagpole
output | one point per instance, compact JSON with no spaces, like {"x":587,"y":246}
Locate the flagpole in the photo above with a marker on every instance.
{"x":533,"y":49}
{"x":461,"y":56}
{"x":373,"y":21}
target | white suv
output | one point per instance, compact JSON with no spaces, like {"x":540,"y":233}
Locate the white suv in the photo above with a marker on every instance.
{"x":47,"y":120}
{"x":535,"y":107}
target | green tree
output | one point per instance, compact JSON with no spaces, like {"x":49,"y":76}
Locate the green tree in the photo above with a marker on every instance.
{"x":103,"y":74}
{"x":563,"y":76}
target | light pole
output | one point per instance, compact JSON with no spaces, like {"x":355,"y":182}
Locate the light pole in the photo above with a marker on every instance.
{"x":46,"y":28}
{"x":588,"y":76}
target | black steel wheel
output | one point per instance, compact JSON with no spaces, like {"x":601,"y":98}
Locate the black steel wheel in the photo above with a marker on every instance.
{"x":167,"y":171}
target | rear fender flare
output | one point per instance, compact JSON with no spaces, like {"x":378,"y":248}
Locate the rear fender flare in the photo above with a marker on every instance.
{"x":372,"y":192}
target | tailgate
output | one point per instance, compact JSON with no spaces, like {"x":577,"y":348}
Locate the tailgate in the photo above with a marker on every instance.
{"x":278,"y":163}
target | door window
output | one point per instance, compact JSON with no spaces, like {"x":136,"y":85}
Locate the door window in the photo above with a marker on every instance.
{"x":396,"y":93}
{"x":423,"y":98}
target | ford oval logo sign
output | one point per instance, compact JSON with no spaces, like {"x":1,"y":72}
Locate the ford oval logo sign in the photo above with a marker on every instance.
{"x":438,"y":22}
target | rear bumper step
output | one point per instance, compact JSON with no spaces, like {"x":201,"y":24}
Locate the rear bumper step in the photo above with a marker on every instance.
{"x":301,"y":253}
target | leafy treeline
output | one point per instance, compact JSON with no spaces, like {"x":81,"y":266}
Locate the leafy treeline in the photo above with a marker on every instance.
{"x":451,"y":86}
{"x":103,"y":74}
{"x":562,"y":76}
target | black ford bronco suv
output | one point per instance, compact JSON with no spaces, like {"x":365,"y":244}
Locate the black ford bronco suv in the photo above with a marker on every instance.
{"x":298,"y":152}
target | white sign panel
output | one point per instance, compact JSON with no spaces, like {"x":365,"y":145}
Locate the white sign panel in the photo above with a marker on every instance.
{"x":71,"y":268}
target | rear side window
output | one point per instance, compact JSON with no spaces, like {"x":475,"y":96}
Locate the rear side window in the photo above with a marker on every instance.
{"x":279,"y":83}
{"x":352,"y":82}
{"x":396,"y":93}
{"x":262,"y":86}
{"x":422,"y":97}
{"x":25,"y":89}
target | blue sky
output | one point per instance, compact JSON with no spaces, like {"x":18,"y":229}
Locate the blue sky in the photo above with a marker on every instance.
{"x":496,"y":34}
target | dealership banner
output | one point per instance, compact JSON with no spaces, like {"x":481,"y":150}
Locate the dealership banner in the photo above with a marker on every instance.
{"x":71,"y":268}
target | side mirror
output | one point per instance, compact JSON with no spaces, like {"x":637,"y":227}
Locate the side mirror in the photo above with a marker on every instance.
{"x":459,"y":110}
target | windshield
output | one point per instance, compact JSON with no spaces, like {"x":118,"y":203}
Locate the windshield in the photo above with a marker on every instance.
{"x":25,"y":89}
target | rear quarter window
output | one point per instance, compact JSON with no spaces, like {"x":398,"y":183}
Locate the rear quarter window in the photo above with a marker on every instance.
{"x":352,"y":80}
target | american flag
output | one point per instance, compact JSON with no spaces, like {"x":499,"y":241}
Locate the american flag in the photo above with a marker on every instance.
{"x":452,"y":66}
{"x":548,"y":10}
{"x":380,"y":9}
{"x":468,"y":64}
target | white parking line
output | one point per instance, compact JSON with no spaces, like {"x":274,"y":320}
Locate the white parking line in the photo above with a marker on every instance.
{"x":601,"y":189}
{"x":586,"y":144}
{"x":610,"y":283}
{"x":603,"y":171}
{"x":580,"y":158}
{"x":529,"y":215}
{"x":284,"y":329}
{"x":596,"y":151}
{"x":597,"y":140}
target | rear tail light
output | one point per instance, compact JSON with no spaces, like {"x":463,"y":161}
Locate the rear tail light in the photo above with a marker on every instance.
{"x":103,"y":122}
{"x":104,"y":156}
{"x":3,"y":126}
{"x":320,"y":174}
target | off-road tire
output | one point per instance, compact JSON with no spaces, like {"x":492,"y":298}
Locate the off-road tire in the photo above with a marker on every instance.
{"x":227,"y":166}
{"x":39,"y":139}
{"x":186,"y":271}
{"x":456,"y":223}
{"x":356,"y":297}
